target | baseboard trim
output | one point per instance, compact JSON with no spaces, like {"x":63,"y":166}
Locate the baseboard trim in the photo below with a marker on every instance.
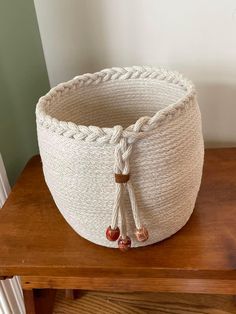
{"x":11,"y":295}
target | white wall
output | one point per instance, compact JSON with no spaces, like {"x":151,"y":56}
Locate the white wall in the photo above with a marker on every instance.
{"x":197,"y":38}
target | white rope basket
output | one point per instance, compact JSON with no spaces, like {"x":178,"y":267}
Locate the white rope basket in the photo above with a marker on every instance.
{"x":122,"y":148}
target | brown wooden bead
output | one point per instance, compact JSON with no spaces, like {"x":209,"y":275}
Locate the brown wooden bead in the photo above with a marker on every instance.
{"x":142,"y":234}
{"x":121,"y":178}
{"x":112,"y":234}
{"x":124,"y":244}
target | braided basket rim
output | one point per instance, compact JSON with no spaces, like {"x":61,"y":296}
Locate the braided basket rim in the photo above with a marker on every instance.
{"x":141,"y":128}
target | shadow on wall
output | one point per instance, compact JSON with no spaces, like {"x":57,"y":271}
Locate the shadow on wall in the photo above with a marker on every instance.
{"x":89,"y":36}
{"x":91,"y":51}
{"x":84,"y":42}
{"x":218,"y":107}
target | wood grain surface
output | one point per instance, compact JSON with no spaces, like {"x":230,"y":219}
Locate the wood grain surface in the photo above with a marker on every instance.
{"x":144,"y":303}
{"x":39,"y":301}
{"x":119,"y":284}
{"x":37,"y":243}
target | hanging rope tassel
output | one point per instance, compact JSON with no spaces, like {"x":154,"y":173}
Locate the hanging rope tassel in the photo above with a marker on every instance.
{"x":113,"y":231}
{"x":141,"y":232}
{"x":124,"y":242}
{"x":122,"y":178}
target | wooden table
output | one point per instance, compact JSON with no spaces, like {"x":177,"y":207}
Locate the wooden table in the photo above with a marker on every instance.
{"x":37,"y":244}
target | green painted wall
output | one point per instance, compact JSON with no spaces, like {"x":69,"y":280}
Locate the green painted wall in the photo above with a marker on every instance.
{"x":23,"y":79}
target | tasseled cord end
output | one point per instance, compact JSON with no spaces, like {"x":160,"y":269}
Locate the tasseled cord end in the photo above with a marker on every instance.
{"x":113,"y":231}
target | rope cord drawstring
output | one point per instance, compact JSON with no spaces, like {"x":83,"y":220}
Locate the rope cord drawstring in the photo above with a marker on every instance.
{"x":122,"y":178}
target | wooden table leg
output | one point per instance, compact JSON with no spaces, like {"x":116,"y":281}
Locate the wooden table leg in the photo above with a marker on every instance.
{"x":29,"y":301}
{"x":38,"y":301}
{"x":72,"y":294}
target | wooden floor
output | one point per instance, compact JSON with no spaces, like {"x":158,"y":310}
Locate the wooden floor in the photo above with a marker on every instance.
{"x":144,"y":303}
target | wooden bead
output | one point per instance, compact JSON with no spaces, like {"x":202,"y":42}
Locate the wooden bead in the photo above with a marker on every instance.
{"x":142,"y":234}
{"x":124,"y":244}
{"x":112,"y":234}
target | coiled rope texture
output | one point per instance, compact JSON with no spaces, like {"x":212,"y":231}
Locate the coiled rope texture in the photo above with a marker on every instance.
{"x":122,"y":138}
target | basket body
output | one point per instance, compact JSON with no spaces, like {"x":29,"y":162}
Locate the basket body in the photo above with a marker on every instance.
{"x":165,"y":163}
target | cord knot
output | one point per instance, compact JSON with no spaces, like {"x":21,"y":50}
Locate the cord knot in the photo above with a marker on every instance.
{"x":117,"y":134}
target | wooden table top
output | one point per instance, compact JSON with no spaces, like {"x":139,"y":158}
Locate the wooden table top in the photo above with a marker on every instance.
{"x":35,"y":240}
